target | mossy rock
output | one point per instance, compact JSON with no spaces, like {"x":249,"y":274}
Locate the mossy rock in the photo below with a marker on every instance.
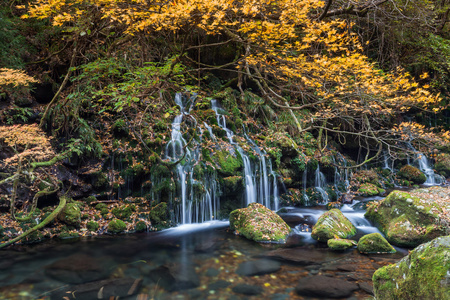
{"x":293,"y":197}
{"x":159,"y":214}
{"x":413,"y":174}
{"x":423,"y":274}
{"x":229,"y":164}
{"x":405,"y":220}
{"x":332,"y":224}
{"x":369,"y":189}
{"x":71,"y":214}
{"x":116,"y":226}
{"x":442,"y":164}
{"x":233,"y":185}
{"x":123,"y":212}
{"x":258,"y":223}
{"x":340,"y":244}
{"x":92,"y":226}
{"x":374,"y":243}
{"x":140,"y":226}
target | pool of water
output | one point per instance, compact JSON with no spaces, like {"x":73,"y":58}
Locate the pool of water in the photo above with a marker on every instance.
{"x":197,"y":261}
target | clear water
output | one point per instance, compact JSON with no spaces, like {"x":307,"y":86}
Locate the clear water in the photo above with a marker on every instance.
{"x":209,"y":250}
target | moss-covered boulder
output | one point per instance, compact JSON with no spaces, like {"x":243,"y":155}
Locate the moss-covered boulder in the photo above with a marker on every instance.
{"x":116,"y":226}
{"x":333,"y":224}
{"x":159,"y":215}
{"x":92,"y":226}
{"x":141,"y":226}
{"x":71,"y":214}
{"x":374,"y":243}
{"x":123,"y":212}
{"x":413,"y":174}
{"x":257,"y":222}
{"x":369,"y":189}
{"x":340,"y":244}
{"x":423,"y":274}
{"x":233,"y":185}
{"x":442,"y":164}
{"x":229,"y":164}
{"x":410,"y":218}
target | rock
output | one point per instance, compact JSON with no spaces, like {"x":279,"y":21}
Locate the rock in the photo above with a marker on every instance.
{"x":116,"y":226}
{"x":346,"y":198}
{"x":374,"y":243}
{"x":258,"y":223}
{"x":325,"y":286}
{"x":413,"y":174}
{"x":366,"y":287}
{"x":219,"y":284}
{"x":258,"y":267}
{"x":233,"y":185}
{"x":423,"y":274}
{"x":442,"y":164}
{"x":174,"y":277}
{"x":71,"y":214}
{"x":407,"y":220}
{"x":246,"y":289}
{"x":369,"y":189}
{"x":340,"y":244}
{"x":332,"y":224}
{"x":298,"y":256}
{"x":104,"y":289}
{"x":77,"y":268}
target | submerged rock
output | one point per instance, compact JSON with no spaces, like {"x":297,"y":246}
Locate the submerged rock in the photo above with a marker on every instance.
{"x":175,"y":277}
{"x":340,"y":244}
{"x":332,"y":224}
{"x":374,"y":243}
{"x":247,"y":289}
{"x":423,"y":274}
{"x":258,"y":267}
{"x":104,"y":289}
{"x":78,"y":268}
{"x":325,"y":287}
{"x":258,"y":223}
{"x":409,"y":219}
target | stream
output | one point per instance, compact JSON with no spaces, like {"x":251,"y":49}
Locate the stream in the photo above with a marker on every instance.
{"x":194,"y":261}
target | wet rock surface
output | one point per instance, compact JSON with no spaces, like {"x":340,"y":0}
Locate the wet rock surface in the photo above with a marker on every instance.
{"x":258,"y":267}
{"x":324,"y":286}
{"x":78,"y":268}
{"x":175,"y":276}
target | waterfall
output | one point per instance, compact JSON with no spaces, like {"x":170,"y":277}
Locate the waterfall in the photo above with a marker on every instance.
{"x":319,"y":183}
{"x":197,"y":200}
{"x":425,"y":167}
{"x":259,"y":187}
{"x":386,"y":162}
{"x":304,"y":179}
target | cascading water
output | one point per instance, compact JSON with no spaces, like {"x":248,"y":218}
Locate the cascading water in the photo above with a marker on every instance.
{"x":341,"y":176}
{"x":197,"y":199}
{"x":425,"y":167}
{"x":260,"y":180}
{"x":320,"y":183}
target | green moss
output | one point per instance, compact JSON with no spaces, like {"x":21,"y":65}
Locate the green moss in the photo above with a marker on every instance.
{"x":340,"y":244}
{"x":423,"y":274}
{"x":122,"y":212}
{"x":159,"y":215}
{"x":71,"y":214}
{"x":258,"y":223}
{"x":140,"y":226}
{"x":116,"y":226}
{"x":332,"y":224}
{"x":233,"y":184}
{"x":405,"y":219}
{"x":92,"y":226}
{"x":229,"y":164}
{"x":413,"y":174}
{"x":369,"y":189}
{"x":442,"y":164}
{"x":374,"y":243}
